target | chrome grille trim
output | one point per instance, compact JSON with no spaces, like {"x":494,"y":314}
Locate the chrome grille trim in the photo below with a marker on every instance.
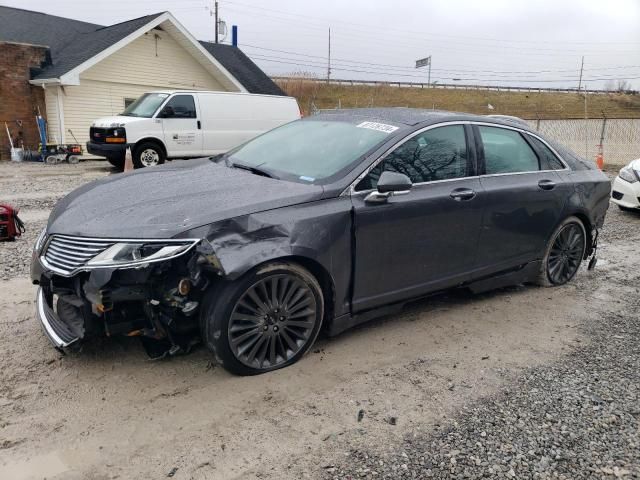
{"x":66,"y":255}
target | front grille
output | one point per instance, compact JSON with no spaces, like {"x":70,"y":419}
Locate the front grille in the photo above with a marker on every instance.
{"x":67,"y":254}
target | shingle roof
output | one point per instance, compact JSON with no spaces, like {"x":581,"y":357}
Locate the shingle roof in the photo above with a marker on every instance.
{"x":86,"y":45}
{"x":72,"y":42}
{"x":36,"y":28}
{"x":243,"y":69}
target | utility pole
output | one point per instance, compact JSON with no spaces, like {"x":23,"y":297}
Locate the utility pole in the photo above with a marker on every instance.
{"x":429,"y":76}
{"x":216,"y":17}
{"x":329,"y":58}
{"x":581,"y":68}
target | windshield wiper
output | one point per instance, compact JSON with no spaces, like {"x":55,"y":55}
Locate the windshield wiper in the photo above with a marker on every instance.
{"x":255,"y":170}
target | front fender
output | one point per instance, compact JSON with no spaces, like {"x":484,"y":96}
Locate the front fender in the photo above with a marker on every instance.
{"x":319,"y":231}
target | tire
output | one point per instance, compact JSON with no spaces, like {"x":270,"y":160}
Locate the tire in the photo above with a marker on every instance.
{"x":148,"y":154}
{"x":117,"y":162}
{"x":247,"y":332}
{"x":563,"y":254}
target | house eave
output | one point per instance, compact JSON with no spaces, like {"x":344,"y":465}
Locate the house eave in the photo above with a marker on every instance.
{"x":42,"y":82}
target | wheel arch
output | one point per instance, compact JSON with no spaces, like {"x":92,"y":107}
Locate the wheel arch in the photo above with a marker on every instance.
{"x":155,"y":140}
{"x":583,"y":216}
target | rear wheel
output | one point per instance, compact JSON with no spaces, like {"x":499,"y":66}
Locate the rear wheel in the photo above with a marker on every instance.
{"x":148,"y":154}
{"x":266,"y":320}
{"x":564,"y":253}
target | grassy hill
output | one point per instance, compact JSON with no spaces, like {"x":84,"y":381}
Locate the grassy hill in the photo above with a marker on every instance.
{"x":528,"y":105}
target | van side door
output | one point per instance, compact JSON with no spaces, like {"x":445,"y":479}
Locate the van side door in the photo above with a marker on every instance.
{"x":181,"y":126}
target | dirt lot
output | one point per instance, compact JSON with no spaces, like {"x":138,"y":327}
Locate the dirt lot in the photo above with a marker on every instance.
{"x":109,"y":412}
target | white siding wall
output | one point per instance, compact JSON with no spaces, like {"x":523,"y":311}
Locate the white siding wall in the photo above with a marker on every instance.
{"x":51,"y":104}
{"x":128,"y":73}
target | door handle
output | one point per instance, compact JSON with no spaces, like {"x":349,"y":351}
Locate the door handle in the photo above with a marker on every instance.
{"x":199,"y":125}
{"x":461,"y":194}
{"x":546,"y":184}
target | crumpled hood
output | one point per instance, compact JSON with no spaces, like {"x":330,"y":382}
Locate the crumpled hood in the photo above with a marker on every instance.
{"x":161,"y":202}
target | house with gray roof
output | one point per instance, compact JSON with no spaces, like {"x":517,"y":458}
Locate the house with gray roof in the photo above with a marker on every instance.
{"x":73,"y":72}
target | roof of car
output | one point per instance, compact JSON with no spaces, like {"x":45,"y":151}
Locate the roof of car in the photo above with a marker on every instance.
{"x":414,"y":116}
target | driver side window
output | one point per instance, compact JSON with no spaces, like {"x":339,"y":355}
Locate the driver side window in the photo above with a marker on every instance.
{"x":180,"y":106}
{"x":436,"y":154}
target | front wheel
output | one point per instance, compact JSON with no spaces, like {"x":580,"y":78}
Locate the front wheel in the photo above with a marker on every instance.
{"x":564,"y":253}
{"x":148,"y":154}
{"x":265,"y":320}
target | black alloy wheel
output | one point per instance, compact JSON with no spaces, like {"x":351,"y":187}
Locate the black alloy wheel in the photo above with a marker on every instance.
{"x":272,"y":321}
{"x":265,"y":320}
{"x":566,"y":253}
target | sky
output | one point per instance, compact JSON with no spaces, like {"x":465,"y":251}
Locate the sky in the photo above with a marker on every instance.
{"x":483,"y":42}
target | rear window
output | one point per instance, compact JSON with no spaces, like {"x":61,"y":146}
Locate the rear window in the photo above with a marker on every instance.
{"x":548,"y":159}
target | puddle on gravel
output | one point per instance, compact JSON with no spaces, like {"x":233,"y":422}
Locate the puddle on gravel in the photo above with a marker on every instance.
{"x":37,"y":468}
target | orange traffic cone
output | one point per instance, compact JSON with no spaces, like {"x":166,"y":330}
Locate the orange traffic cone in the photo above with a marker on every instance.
{"x":599,"y":158}
{"x":128,"y":160}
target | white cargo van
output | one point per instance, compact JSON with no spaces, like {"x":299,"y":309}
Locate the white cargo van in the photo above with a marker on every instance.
{"x":187,"y":124}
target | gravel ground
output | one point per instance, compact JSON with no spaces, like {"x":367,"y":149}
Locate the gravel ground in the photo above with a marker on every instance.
{"x":35,"y":188}
{"x":579,"y":418}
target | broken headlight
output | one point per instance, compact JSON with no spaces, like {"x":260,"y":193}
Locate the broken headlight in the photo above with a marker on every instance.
{"x":124,"y":254}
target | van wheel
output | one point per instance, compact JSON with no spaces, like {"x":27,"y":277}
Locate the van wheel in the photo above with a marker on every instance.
{"x":117,"y":162}
{"x":265,"y":320}
{"x":148,"y":154}
{"x":563,"y":254}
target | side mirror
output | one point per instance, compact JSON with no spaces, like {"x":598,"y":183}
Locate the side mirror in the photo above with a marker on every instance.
{"x":389,"y":183}
{"x":393,"y":182}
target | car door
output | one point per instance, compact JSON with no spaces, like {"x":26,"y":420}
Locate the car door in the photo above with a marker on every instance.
{"x":524,"y":199}
{"x":426,"y":239}
{"x":181,"y":126}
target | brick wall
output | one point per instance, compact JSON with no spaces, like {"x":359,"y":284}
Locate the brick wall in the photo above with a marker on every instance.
{"x":19,"y":100}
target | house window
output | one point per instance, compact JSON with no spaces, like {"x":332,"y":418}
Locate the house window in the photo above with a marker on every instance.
{"x":128,"y":101}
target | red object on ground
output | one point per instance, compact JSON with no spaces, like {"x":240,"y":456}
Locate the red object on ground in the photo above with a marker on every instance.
{"x":11,"y":226}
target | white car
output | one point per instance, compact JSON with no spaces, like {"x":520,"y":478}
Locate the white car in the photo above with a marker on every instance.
{"x":626,"y":187}
{"x":187,"y":124}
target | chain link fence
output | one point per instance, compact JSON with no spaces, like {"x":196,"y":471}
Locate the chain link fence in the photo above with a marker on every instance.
{"x":620,"y":137}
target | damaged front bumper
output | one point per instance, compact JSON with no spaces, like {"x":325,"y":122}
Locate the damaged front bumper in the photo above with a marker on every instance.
{"x":58,"y":332}
{"x":157,"y":301}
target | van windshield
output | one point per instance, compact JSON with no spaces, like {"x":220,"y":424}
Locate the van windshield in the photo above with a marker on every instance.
{"x":308,"y":151}
{"x":146,"y":105}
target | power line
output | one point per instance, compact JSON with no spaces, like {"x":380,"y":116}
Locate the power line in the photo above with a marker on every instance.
{"x":404,"y":67}
{"x":353,"y":70}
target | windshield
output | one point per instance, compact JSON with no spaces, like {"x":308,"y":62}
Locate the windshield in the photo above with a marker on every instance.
{"x":146,"y":105}
{"x":310,"y":150}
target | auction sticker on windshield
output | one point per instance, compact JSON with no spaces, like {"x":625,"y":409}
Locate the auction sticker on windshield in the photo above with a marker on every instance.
{"x":381,"y":127}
